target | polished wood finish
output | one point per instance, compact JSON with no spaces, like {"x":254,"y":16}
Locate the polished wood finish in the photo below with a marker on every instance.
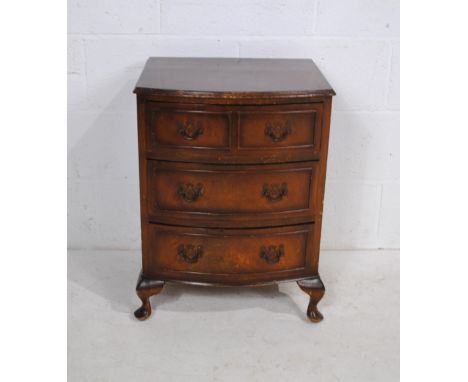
{"x":232,"y":156}
{"x":293,"y":128}
{"x":315,"y":289}
{"x":231,"y":196}
{"x":211,"y":254}
{"x":183,"y":127}
{"x":232,"y":78}
{"x":234,"y":134}
{"x":146,"y":288}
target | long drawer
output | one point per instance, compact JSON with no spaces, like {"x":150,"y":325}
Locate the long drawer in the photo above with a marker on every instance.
{"x":231,"y":196}
{"x":229,"y":252}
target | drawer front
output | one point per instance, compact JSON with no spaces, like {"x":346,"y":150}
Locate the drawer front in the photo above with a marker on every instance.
{"x":177,"y":128}
{"x":267,"y":129}
{"x":233,"y":134}
{"x":215,"y":251}
{"x":268,"y":193}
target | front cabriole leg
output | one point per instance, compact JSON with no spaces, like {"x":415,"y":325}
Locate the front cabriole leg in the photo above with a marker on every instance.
{"x":315,"y":289}
{"x":146,"y":288}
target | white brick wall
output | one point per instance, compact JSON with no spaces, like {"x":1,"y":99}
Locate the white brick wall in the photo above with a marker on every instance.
{"x":354,"y":42}
{"x":237,"y":17}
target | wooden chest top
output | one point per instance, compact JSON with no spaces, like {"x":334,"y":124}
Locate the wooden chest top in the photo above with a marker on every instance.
{"x":232,"y":78}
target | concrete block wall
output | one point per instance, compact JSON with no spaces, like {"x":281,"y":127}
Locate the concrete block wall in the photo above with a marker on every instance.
{"x":354,"y":42}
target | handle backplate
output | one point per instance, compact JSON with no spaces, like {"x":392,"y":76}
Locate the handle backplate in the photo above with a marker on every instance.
{"x":189,"y":192}
{"x":272,"y":254}
{"x":189,"y":253}
{"x":278,"y":131}
{"x":190,"y":130}
{"x":274,"y":192}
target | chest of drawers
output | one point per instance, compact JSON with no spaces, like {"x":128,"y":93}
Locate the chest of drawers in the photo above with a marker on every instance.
{"x":232,"y":157}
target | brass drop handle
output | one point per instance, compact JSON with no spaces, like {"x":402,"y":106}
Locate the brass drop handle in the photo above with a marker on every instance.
{"x":190,"y":130}
{"x":189,"y":253}
{"x":274,"y":192}
{"x":189,"y":192}
{"x":272,"y":254}
{"x":278,"y":131}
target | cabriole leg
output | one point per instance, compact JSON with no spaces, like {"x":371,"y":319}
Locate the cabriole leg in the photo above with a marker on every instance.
{"x":146,"y":288}
{"x":315,"y":289}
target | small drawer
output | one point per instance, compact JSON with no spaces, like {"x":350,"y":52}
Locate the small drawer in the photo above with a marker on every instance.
{"x":233,"y":134}
{"x":226,"y":195}
{"x":230,"y":251}
{"x":177,"y":127}
{"x":277,"y":130}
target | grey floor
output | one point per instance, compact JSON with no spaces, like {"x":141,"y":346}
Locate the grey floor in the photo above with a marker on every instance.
{"x":232,"y":334}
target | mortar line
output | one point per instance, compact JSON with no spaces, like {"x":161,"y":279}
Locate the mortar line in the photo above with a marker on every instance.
{"x":389,"y":76}
{"x":315,"y":18}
